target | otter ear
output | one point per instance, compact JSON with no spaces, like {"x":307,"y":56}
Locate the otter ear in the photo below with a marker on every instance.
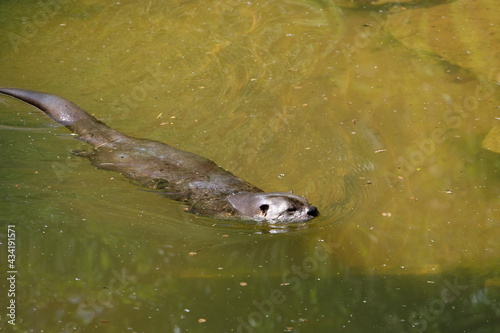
{"x":264,"y":208}
{"x":244,"y":202}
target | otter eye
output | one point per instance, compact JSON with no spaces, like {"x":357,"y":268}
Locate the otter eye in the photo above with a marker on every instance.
{"x":291,"y":209}
{"x":264,"y":208}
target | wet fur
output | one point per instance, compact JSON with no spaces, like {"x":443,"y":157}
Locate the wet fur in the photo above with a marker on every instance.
{"x":205,"y":187}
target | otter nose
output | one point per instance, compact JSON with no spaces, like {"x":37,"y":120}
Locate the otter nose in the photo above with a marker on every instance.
{"x":312,"y":211}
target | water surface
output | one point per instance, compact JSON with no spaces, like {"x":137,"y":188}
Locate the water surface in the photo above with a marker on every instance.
{"x":354,"y":107}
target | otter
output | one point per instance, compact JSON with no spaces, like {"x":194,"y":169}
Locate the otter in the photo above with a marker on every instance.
{"x":198,"y":182}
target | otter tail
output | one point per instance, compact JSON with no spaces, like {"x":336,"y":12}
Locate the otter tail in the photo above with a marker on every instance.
{"x":68,"y":114}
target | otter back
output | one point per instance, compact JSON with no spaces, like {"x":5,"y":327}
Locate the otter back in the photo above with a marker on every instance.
{"x":183,"y":176}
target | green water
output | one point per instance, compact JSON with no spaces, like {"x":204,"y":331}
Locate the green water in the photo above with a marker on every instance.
{"x":358,"y":108}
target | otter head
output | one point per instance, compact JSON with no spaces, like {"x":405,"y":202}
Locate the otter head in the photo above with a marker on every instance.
{"x":275,"y":207}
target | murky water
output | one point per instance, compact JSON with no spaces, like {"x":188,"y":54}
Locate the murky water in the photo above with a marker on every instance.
{"x":375,"y":111}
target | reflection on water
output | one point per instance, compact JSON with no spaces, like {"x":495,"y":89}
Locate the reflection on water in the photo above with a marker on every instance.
{"x":368,"y":112}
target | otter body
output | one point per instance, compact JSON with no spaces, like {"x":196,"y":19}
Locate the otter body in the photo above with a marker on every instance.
{"x":205,"y":187}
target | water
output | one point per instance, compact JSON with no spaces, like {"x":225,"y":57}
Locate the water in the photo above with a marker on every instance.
{"x":355,"y":108}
